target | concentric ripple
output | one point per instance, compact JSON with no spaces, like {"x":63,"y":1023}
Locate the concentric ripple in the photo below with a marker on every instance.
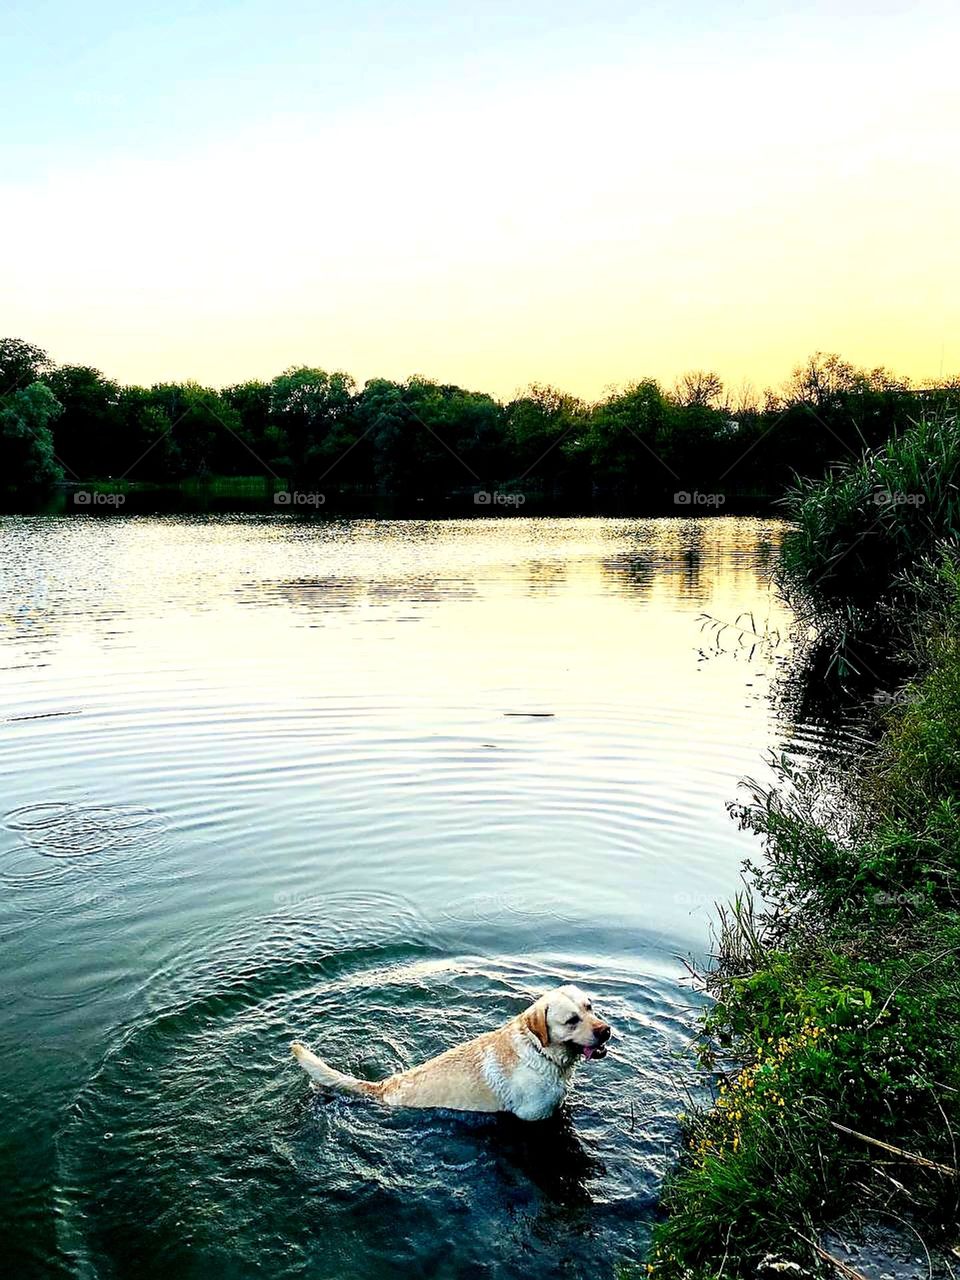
{"x":246,"y":800}
{"x":199,"y":1139}
{"x":61,"y":830}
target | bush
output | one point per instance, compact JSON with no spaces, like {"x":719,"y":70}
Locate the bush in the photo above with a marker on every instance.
{"x":847,"y":1041}
{"x":862,"y":527}
{"x":838,"y":998}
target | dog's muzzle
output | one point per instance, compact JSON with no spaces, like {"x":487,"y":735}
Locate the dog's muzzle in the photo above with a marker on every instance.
{"x":599,"y":1047}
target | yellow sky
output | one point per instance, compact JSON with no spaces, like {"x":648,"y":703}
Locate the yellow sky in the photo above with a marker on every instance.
{"x":642,"y":218}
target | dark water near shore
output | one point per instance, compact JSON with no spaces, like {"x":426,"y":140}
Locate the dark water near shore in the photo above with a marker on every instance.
{"x":375,"y":785}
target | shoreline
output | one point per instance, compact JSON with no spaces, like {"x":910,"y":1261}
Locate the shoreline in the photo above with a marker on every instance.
{"x":834,"y":1039}
{"x":268,"y":496}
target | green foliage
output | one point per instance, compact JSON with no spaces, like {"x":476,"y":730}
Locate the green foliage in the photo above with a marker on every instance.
{"x":920,"y":765}
{"x":21,"y":363}
{"x":843,"y":1040}
{"x":861,"y":527}
{"x":423,"y":441}
{"x":543,"y":429}
{"x":27,"y":459}
{"x":309,"y":406}
{"x":838,"y":1000}
{"x":87,"y":434}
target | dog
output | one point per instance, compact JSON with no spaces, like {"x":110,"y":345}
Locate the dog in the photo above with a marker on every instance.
{"x":524,"y":1067}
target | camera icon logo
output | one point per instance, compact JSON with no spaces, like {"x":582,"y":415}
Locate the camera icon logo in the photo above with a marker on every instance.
{"x":481,"y":498}
{"x":82,"y":498}
{"x":282,"y":499}
{"x":682,"y":498}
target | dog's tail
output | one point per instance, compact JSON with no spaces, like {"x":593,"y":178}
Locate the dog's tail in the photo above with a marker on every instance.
{"x":318,"y":1070}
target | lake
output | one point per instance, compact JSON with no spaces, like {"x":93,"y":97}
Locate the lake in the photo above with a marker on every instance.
{"x":373,"y":785}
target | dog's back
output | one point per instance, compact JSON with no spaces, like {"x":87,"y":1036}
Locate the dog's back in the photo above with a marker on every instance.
{"x":523,"y":1067}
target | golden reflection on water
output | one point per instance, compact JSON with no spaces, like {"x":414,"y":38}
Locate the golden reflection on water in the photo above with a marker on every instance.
{"x":249,"y":767}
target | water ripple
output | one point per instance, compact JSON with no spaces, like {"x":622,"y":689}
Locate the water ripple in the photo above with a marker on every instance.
{"x":62,"y":830}
{"x":285,"y":811}
{"x":210,"y":1141}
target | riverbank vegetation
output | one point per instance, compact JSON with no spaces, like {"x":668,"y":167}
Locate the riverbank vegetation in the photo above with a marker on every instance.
{"x":835,"y":1032}
{"x":423,"y":441}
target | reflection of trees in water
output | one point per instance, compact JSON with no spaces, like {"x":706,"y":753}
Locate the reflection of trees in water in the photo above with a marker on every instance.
{"x":690,"y":557}
{"x":636,"y":571}
{"x":545,"y":575}
{"x":826,"y":710}
{"x":765,"y":553}
{"x":839,"y":704}
{"x":743,"y":635}
{"x":691,"y":563}
{"x":342,"y":593}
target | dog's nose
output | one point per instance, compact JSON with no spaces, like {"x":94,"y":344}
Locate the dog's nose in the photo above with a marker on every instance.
{"x":602,"y":1032}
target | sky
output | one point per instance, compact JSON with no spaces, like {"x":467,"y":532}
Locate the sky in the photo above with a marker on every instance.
{"x":489,"y":193}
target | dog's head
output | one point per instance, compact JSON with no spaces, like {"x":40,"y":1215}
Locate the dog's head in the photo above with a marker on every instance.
{"x":564,"y":1018}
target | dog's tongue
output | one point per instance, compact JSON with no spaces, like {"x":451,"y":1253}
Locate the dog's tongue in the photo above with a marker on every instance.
{"x":588,"y":1051}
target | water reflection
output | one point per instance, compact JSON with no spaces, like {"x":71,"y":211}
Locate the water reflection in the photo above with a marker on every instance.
{"x":344,"y":593}
{"x":243,"y":797}
{"x":552,"y":1156}
{"x":71,"y":574}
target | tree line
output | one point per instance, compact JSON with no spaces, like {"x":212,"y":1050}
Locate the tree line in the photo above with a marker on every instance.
{"x":420,"y":440}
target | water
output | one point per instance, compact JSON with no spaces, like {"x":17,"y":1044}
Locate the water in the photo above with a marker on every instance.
{"x":373,"y":785}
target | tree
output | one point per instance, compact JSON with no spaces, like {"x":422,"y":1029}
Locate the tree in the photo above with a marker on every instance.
{"x":264,"y":439}
{"x":822,"y":382}
{"x":699,"y":389}
{"x":308,"y":404}
{"x":629,"y":439}
{"x":87,"y":435}
{"x":830,"y":411}
{"x":473,"y":428}
{"x":149,"y":449}
{"x":21,"y":363}
{"x":386,"y":427}
{"x":544,"y":428}
{"x":205,"y":432}
{"x":28,"y":463}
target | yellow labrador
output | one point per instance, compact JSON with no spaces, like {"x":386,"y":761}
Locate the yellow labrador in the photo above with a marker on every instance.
{"x":524,"y":1067}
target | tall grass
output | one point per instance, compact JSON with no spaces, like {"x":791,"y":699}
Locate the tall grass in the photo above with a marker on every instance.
{"x":857,"y":531}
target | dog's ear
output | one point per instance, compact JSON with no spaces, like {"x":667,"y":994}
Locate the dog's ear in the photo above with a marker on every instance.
{"x":537,"y":1021}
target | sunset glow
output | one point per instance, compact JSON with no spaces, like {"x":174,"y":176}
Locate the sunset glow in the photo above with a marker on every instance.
{"x":488,"y":197}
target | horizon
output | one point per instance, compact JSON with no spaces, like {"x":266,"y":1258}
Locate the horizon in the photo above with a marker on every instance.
{"x":530,"y":194}
{"x":746,"y":391}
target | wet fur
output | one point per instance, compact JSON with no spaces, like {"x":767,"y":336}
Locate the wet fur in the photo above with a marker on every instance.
{"x":524,"y":1067}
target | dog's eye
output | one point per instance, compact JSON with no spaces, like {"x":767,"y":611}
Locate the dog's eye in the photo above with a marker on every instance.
{"x":573,"y":1020}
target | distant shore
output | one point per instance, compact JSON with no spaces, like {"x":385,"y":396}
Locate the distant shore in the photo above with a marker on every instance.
{"x":274,"y":496}
{"x":314,"y":441}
